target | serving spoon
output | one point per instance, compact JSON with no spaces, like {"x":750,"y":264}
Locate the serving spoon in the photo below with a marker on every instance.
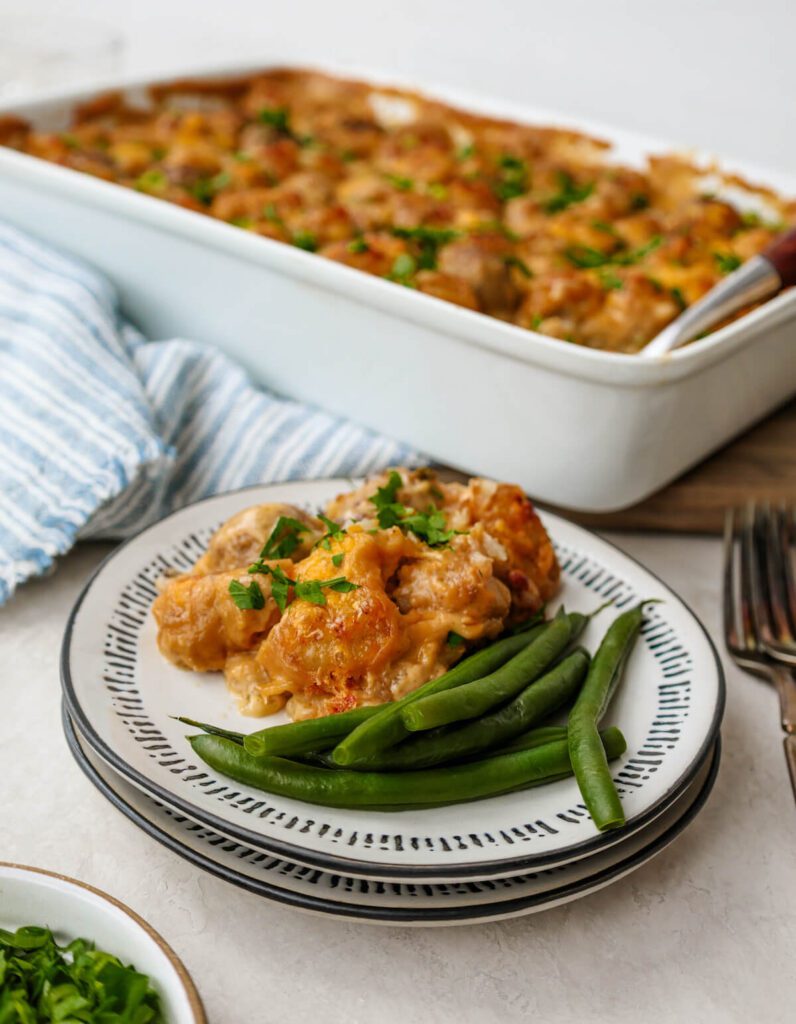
{"x":759,"y":278}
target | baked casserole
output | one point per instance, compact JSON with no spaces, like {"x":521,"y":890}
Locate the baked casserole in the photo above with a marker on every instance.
{"x":536,"y":226}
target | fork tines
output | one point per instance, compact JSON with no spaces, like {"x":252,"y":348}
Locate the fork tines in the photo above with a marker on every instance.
{"x":760,"y":584}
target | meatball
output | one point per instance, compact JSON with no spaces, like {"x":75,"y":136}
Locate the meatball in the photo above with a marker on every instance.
{"x":242,"y":538}
{"x":199,"y":625}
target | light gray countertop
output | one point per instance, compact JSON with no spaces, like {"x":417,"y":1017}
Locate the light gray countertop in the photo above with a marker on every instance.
{"x":704,"y":932}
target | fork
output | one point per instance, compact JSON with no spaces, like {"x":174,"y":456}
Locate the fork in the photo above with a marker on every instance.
{"x":760,"y":605}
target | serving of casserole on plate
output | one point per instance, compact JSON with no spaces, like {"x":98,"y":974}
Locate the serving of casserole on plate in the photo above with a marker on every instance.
{"x":440,"y":627}
{"x":397,"y":581}
{"x":555,"y":236}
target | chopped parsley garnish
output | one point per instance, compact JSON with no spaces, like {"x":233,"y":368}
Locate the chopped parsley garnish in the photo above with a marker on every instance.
{"x":403,"y":267}
{"x":513,"y":177}
{"x":333,"y":527}
{"x":604,"y":227}
{"x":679,"y":298}
{"x":275,"y":117}
{"x":284,"y":539}
{"x":430,"y":526}
{"x":347,"y":156}
{"x":333,"y":532}
{"x":386,"y":495}
{"x":280,"y":584}
{"x":639,"y":201}
{"x":271,"y":213}
{"x":499,"y":226}
{"x":337,"y":560}
{"x":312,"y":590}
{"x":569,"y":193}
{"x":437,"y":190}
{"x":241,"y":157}
{"x":403,"y":184}
{"x":303,"y":590}
{"x":358,"y":245}
{"x":751,"y":219}
{"x":727,"y":261}
{"x":247,"y":597}
{"x":466,"y":152}
{"x":437,"y":236}
{"x":455,"y":639}
{"x":625,"y":259}
{"x":42,"y":981}
{"x":151,"y":181}
{"x":536,"y":321}
{"x":220,"y":181}
{"x":586,"y":257}
{"x":521,"y":265}
{"x":70,"y":141}
{"x":241,"y":222}
{"x":609,"y":281}
{"x":305,"y":240}
{"x":204,"y":189}
{"x":428,"y":241}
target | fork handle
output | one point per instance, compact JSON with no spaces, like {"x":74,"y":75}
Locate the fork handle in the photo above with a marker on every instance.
{"x":790,"y":757}
{"x":785,"y":682}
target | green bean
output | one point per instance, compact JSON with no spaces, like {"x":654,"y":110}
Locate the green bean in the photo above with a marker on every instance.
{"x":213,"y":730}
{"x":309,"y":736}
{"x":391,"y":791}
{"x":476,"y":698}
{"x":442,"y":746}
{"x":587,"y":754}
{"x":386,"y":729}
{"x":534,"y":738}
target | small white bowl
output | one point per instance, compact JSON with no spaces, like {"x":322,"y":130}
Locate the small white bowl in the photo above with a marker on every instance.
{"x":72,"y":909}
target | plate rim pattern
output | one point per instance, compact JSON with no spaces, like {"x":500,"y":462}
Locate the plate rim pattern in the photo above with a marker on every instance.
{"x":468,"y":914}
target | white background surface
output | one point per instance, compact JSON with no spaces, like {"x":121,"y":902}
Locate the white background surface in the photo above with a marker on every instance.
{"x":704,"y":933}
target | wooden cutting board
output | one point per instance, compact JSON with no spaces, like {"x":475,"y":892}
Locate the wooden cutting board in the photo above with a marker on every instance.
{"x":760,"y":465}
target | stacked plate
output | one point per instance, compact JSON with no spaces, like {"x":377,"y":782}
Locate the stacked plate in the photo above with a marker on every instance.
{"x":484,"y":860}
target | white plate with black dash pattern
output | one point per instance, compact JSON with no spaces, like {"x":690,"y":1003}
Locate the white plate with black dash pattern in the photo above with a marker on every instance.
{"x":378,"y":901}
{"x":123,"y":694}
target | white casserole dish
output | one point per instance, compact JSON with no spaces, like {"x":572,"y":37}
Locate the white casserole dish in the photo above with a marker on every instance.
{"x":579,"y":428}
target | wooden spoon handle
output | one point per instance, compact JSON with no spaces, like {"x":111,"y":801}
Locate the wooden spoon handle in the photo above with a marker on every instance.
{"x":782,"y":255}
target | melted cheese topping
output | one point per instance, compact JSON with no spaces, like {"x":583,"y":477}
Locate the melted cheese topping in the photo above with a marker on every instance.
{"x":382,"y":639}
{"x":533,"y":225}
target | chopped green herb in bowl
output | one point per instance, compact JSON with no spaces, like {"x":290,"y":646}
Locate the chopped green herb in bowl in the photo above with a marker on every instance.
{"x":42,"y":982}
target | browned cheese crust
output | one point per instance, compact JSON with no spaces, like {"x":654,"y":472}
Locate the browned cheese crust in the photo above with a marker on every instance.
{"x":384,"y":636}
{"x":534,"y":225}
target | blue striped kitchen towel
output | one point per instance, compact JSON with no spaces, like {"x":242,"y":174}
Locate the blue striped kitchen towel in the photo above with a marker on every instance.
{"x":103,"y":432}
